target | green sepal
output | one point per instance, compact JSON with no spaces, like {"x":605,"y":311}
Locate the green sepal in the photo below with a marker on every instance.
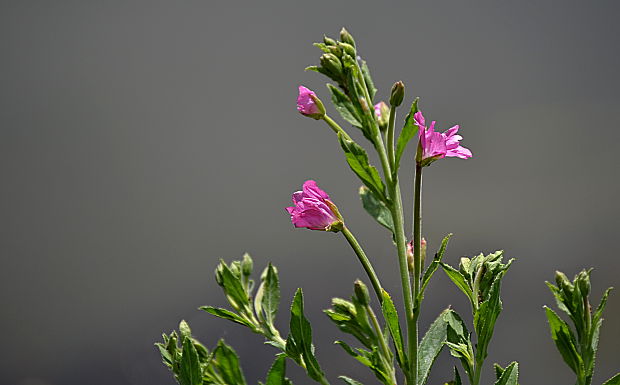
{"x":358,"y":161}
{"x":376,"y":208}
{"x":410,"y":129}
{"x":508,"y":376}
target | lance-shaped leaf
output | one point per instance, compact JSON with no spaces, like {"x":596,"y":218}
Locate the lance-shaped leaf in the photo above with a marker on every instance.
{"x":408,"y":132}
{"x":565,"y":342}
{"x":300,"y":338}
{"x":434,"y":265}
{"x":370,"y":85}
{"x":349,"y":380}
{"x":508,"y":376}
{"x":344,"y":106}
{"x":598,"y":313}
{"x":459,"y":280}
{"x":190,"y":372}
{"x":459,"y":342}
{"x":431,"y":345}
{"x":615,"y":380}
{"x":227,"y":314}
{"x":393,"y":324}
{"x":358,"y":161}
{"x":267,"y":297}
{"x":227,"y":363}
{"x":485,"y":317}
{"x":277,"y":373}
{"x":376,"y":208}
{"x":371,"y":359}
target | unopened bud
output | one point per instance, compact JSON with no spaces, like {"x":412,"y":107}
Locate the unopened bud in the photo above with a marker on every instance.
{"x":328,"y":41}
{"x":346,"y":37}
{"x":247,"y":265}
{"x":361,"y":292}
{"x":583,"y":281}
{"x":562,"y":281}
{"x":398,"y":94}
{"x":410,"y":253}
{"x":331,"y":63}
{"x":308,"y":104}
{"x":348,"y":48}
{"x":382,"y":111}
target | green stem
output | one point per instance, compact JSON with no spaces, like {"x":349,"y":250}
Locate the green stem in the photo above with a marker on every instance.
{"x":336,"y":127}
{"x":390,"y":137}
{"x":361,"y":255}
{"x":382,"y":345}
{"x":417,"y":228}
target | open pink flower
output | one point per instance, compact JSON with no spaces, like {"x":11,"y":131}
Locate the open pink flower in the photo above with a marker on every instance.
{"x":308,"y":103}
{"x":314,"y":210}
{"x":437,"y":145}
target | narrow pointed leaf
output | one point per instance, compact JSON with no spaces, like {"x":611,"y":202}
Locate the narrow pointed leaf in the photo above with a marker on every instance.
{"x":565,"y":341}
{"x":431,"y":345}
{"x":344,"y":106}
{"x":301,"y":333}
{"x":228,"y":364}
{"x":358,"y":161}
{"x":277,"y":373}
{"x":350,"y":381}
{"x":271,"y":294}
{"x":615,"y":380}
{"x":408,"y":132}
{"x":459,"y":280}
{"x":430,"y":270}
{"x":227,"y":314}
{"x":391,"y":319}
{"x":370,"y":85}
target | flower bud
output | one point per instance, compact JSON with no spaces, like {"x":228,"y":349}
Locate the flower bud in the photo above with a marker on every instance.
{"x":562,"y":281}
{"x":583,"y":282}
{"x":247,"y":265}
{"x":348,"y":48}
{"x":410,"y":254}
{"x":308,"y":104}
{"x":398,"y":94}
{"x":328,"y":41}
{"x":382,"y":111}
{"x":361,"y":292}
{"x":331,"y":63}
{"x":346,"y":37}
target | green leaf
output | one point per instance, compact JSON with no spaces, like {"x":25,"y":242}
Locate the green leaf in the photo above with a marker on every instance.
{"x":376,"y":208}
{"x":408,"y":132}
{"x":510,"y":375}
{"x":434,"y":265}
{"x":486,"y":316}
{"x":391,"y":319}
{"x":271,"y":294}
{"x":458,"y":340}
{"x":431,"y":345}
{"x":301,"y":334}
{"x":459,"y":280}
{"x":277,"y":373}
{"x":349,"y":381}
{"x":232,"y":285}
{"x":564,"y":341}
{"x":190,"y":372}
{"x":227,"y":314}
{"x":228,"y":364}
{"x":344,"y":106}
{"x":615,"y":380}
{"x":598,"y":313}
{"x":358,"y":161}
{"x":370,"y":85}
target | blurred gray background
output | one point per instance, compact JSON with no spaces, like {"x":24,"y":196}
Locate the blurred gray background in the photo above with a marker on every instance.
{"x":142,"y":141}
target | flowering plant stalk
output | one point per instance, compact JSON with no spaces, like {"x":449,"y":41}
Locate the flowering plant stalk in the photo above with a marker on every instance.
{"x":390,"y":348}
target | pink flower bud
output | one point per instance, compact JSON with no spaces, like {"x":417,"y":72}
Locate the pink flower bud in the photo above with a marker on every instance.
{"x":437,"y":145}
{"x":313,"y":209}
{"x":308,"y":104}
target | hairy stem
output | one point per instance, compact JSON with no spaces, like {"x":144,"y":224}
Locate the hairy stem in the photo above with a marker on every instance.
{"x":336,"y":127}
{"x":361,"y":255}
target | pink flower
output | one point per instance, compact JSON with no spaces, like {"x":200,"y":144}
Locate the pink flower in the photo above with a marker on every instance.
{"x":382,"y":111}
{"x":314,"y":210}
{"x":308,"y":104}
{"x":437,"y":145}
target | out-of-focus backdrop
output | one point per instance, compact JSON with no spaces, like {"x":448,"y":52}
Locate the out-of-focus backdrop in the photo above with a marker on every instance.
{"x":142,"y":141}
